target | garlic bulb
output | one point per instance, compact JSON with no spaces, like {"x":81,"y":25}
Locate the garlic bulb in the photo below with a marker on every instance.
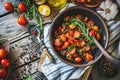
{"x":107,"y":9}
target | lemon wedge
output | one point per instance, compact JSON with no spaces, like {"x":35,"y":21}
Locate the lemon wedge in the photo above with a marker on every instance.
{"x":44,"y":10}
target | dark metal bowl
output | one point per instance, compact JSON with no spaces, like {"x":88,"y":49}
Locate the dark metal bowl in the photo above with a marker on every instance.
{"x":85,"y":12}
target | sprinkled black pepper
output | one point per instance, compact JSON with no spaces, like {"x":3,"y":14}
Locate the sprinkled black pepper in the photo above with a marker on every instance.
{"x":107,"y":69}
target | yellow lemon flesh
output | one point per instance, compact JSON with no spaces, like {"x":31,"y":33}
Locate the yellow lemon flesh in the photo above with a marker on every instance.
{"x":44,"y":10}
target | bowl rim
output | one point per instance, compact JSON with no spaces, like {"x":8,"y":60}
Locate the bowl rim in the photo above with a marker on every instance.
{"x":106,"y":32}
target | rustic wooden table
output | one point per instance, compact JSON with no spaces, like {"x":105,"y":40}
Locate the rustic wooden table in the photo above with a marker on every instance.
{"x":22,"y":56}
{"x":24,"y":68}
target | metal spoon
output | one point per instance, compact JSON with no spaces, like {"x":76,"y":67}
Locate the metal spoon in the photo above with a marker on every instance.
{"x":110,"y":58}
{"x":35,"y":32}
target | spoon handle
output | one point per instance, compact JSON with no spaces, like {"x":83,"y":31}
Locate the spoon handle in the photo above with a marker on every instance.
{"x":49,"y":55}
{"x":110,"y":58}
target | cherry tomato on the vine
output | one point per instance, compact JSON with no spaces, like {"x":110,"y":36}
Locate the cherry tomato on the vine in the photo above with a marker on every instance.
{"x":3,"y":53}
{"x":3,"y":73}
{"x":21,"y":7}
{"x":22,"y":21}
{"x":5,"y":62}
{"x":8,"y":6}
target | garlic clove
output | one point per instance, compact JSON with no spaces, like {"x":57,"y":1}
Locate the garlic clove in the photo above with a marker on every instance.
{"x":108,"y":3}
{"x":113,"y":7}
{"x":104,"y":15}
{"x":114,"y":10}
{"x":109,"y":16}
{"x":112,"y":15}
{"x":102,"y":5}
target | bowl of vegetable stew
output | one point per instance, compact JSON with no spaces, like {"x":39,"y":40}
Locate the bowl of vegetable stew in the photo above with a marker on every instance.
{"x":71,"y":36}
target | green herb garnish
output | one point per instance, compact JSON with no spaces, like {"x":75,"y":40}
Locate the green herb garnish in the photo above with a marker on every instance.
{"x":81,"y":24}
{"x":69,"y":48}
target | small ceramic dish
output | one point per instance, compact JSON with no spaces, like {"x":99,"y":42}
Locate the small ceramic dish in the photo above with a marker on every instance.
{"x":106,"y":69}
{"x":91,"y":4}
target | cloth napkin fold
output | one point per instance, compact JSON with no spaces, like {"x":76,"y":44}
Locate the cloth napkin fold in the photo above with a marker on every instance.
{"x":62,"y":71}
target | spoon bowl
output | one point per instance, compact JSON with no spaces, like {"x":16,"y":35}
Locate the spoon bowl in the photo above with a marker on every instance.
{"x":35,"y":33}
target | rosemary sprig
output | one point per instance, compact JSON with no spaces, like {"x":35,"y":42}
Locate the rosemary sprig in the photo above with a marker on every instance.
{"x":32,"y":13}
{"x":81,"y":24}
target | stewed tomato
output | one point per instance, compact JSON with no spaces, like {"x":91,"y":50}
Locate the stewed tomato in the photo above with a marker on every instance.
{"x":78,"y":59}
{"x":73,"y":38}
{"x":92,"y":33}
{"x":89,"y":57}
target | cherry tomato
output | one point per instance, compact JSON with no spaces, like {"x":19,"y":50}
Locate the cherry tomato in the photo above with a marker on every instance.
{"x":78,"y":59}
{"x":21,"y":7}
{"x":96,"y":28}
{"x":8,"y":6}
{"x":92,"y":33}
{"x":63,"y":38}
{"x":86,"y":19}
{"x":75,"y":55}
{"x":90,"y":23}
{"x":22,"y":21}
{"x":71,"y":42}
{"x":89,"y":57}
{"x":79,"y":16}
{"x":71,"y":32}
{"x":57,"y":42}
{"x":3,"y":73}
{"x":66,"y":44}
{"x":71,"y":26}
{"x":67,"y":18}
{"x":5,"y":62}
{"x":73,"y":51}
{"x":98,"y":36}
{"x":3,"y":53}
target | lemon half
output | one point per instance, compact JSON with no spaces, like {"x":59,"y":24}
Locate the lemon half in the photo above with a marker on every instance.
{"x":44,"y":10}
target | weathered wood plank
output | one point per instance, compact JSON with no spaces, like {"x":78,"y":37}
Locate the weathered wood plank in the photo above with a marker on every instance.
{"x":9,"y":26}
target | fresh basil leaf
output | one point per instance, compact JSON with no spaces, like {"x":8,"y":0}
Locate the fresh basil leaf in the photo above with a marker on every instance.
{"x":100,"y":31}
{"x":69,"y":48}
